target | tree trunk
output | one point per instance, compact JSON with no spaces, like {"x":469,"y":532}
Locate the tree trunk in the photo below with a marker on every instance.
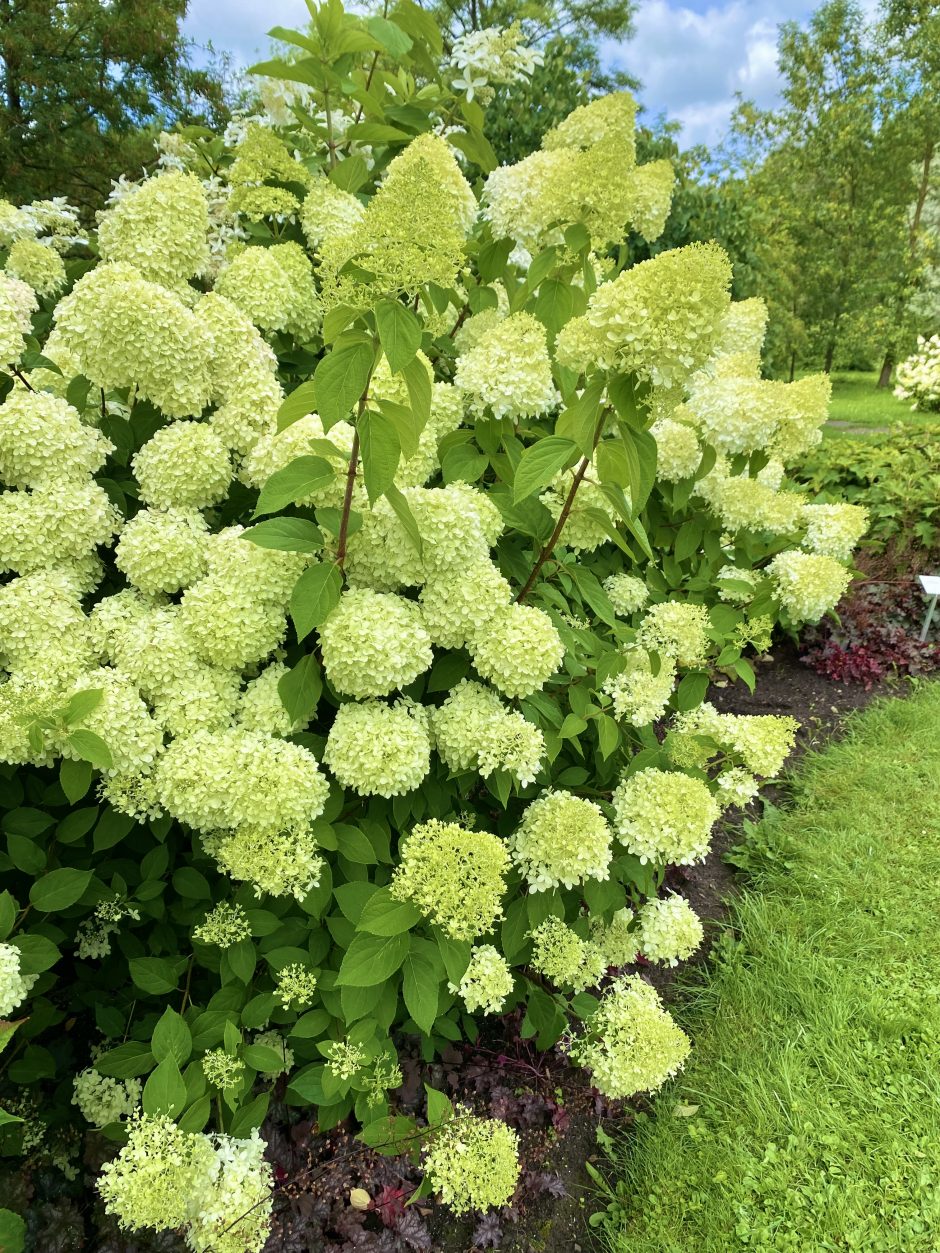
{"x":830,"y":355}
{"x":887,"y":366}
{"x":792,"y":365}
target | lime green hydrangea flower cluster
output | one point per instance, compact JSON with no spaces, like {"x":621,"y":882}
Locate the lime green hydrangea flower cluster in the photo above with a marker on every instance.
{"x":473,"y":1162}
{"x":379,"y":750}
{"x":586,"y":173}
{"x":103,"y":1100}
{"x":14,"y":985}
{"x":631,"y":1044}
{"x":455,"y":877}
{"x":38,"y":265}
{"x":638,"y":695}
{"x":664,"y":816}
{"x":562,"y":956}
{"x":474,"y":730}
{"x":216,"y":1188}
{"x":562,"y":840}
{"x":487,"y":981}
{"x":669,"y":930}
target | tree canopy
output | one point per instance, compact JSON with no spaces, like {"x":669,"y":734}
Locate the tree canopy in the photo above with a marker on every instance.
{"x":82,"y":82}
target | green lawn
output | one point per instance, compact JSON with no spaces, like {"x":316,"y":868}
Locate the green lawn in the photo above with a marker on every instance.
{"x":809,"y":1115}
{"x":857,"y":399}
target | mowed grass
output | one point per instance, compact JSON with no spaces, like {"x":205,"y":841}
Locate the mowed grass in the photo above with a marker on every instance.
{"x":816,"y":1062}
{"x":858,"y":401}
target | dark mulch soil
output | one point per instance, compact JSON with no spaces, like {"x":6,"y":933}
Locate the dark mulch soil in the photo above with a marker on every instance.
{"x":551,"y":1105}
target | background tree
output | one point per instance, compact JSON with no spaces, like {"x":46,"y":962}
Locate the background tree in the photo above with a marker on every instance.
{"x":838,"y":177}
{"x":83,"y":83}
{"x":568,"y":33}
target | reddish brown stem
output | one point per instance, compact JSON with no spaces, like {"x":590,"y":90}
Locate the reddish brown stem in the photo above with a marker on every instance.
{"x":566,"y":509}
{"x":347,"y":501}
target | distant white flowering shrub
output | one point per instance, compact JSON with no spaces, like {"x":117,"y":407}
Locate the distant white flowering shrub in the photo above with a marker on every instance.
{"x":918,"y":378}
{"x":368,"y":548}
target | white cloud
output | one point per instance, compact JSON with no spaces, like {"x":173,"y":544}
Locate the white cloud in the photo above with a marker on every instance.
{"x":692,"y":62}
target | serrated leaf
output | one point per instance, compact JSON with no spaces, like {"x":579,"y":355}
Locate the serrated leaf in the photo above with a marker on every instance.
{"x":165,"y":1092}
{"x":297,"y":405}
{"x":294,"y":482}
{"x":340,"y":379}
{"x":171,"y":1038}
{"x":403,"y":512}
{"x":539,"y":464}
{"x":300,"y":689}
{"x":399,"y":333}
{"x":82,"y":703}
{"x":420,"y":989}
{"x":316,"y":594}
{"x":74,"y":778}
{"x":382,"y":914}
{"x":292,"y":535}
{"x":371,"y":959}
{"x":380,"y":449}
{"x":59,"y":889}
{"x":92,"y":748}
{"x":418,"y":382}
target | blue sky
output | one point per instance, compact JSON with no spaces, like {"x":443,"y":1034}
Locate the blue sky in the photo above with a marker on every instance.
{"x":691,"y":55}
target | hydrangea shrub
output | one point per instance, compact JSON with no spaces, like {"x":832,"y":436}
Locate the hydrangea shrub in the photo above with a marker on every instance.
{"x":918,"y":376}
{"x":370,"y":538}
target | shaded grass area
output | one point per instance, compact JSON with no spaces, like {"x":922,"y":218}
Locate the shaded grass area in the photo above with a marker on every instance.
{"x":857,"y":399}
{"x":809,"y":1115}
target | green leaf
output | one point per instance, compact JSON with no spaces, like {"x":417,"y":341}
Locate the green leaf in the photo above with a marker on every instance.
{"x":165,"y":1091}
{"x":540,"y":463}
{"x":294,"y":482}
{"x":37,"y":953}
{"x":82,"y":703}
{"x":316,"y":594}
{"x":691,"y":691}
{"x":290,"y":535}
{"x":191,"y":884}
{"x":12,"y":1232}
{"x":418,"y":381}
{"x":403,"y":512}
{"x":111,"y":829}
{"x":392,"y":1135}
{"x":127,"y":1061}
{"x":91,"y":748}
{"x":74,"y":778}
{"x":354,"y":845}
{"x":242,"y":957}
{"x":399,"y":333}
{"x":440,"y":1108}
{"x":59,"y":889}
{"x":420,"y":988}
{"x":156,"y":975}
{"x":608,"y":735}
{"x":340,"y":379}
{"x":380,"y":449}
{"x":578,"y":421}
{"x":392,"y":38}
{"x":264,"y":1058}
{"x":298,"y":404}
{"x":371,"y":959}
{"x":404,"y":421}
{"x":554,"y":304}
{"x":384,"y":915}
{"x":8,"y":1030}
{"x":172,"y":1038}
{"x":7,"y":914}
{"x":300,"y":689}
{"x":196,"y":1117}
